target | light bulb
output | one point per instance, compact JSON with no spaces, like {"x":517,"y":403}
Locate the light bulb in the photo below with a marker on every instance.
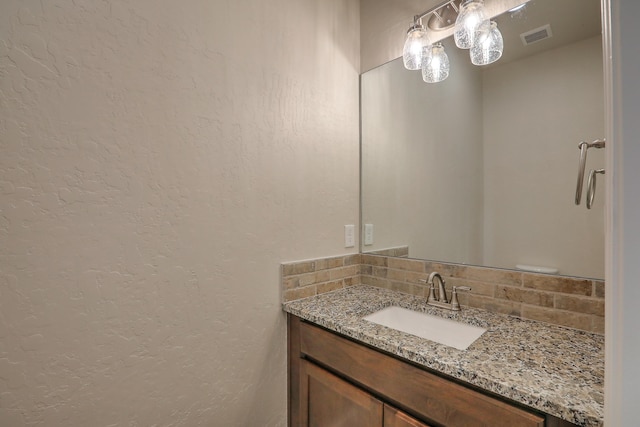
{"x":470,"y":17}
{"x":488,"y":45}
{"x":417,"y":40}
{"x":435,"y":65}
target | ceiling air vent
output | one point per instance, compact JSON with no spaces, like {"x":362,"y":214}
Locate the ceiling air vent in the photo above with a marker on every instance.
{"x":536,"y":35}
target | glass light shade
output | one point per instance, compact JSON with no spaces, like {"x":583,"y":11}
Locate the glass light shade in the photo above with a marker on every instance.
{"x":435,"y":65}
{"x":470,"y":17}
{"x":417,"y":40}
{"x":488,"y":45}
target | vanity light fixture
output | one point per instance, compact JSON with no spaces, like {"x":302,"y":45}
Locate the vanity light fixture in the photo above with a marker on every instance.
{"x":470,"y":17}
{"x":435,"y":64}
{"x":488,"y":45}
{"x":472,"y":31}
{"x":417,"y":40}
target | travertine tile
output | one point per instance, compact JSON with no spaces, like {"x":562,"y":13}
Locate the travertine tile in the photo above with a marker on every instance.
{"x":449,"y":270}
{"x":398,"y":275}
{"x":597,"y":324}
{"x":291,"y":282}
{"x":567,"y":285}
{"x":580,"y":305}
{"x":463,"y":298}
{"x":494,"y":305}
{"x":379,"y":271}
{"x":366,"y":269}
{"x":329,"y":286}
{"x":419,"y":291}
{"x":401,"y":252}
{"x":415,"y":277}
{"x":477,"y":288}
{"x":354,"y":259}
{"x":339,"y":273}
{"x":557,"y":317}
{"x":307,"y":279}
{"x":598,"y":287}
{"x":406,"y":264}
{"x":544,"y":299}
{"x":351,"y":281}
{"x":324,"y":264}
{"x":310,"y":278}
{"x":374,"y":281}
{"x":323,"y":276}
{"x":298,"y":268}
{"x":299,"y":293}
{"x":374,"y":260}
{"x":489,"y":275}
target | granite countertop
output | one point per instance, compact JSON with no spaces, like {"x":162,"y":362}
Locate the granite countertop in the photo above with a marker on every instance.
{"x":559,"y":371}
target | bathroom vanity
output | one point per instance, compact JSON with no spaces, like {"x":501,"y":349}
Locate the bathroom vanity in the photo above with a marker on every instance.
{"x":344,"y":370}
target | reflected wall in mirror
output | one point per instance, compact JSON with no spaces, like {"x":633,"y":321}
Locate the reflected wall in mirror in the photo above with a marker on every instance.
{"x":481,"y":168}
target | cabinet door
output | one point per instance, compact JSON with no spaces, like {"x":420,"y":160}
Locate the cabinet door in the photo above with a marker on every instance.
{"x":395,"y":418}
{"x":328,"y":401}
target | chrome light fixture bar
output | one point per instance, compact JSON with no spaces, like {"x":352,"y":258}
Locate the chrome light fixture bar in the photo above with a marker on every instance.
{"x":473,"y":31}
{"x":417,"y":44}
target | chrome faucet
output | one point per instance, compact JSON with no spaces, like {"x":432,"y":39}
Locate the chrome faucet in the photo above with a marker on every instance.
{"x":441,"y":300}
{"x":442,"y":293}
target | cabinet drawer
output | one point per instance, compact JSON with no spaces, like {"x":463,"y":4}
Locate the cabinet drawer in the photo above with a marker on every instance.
{"x":418,"y":391}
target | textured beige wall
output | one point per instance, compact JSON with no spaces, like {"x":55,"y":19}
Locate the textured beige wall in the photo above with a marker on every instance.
{"x":158,"y":161}
{"x":525,"y":120}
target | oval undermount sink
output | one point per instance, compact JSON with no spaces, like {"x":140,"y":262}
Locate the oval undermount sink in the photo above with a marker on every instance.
{"x":434,"y":328}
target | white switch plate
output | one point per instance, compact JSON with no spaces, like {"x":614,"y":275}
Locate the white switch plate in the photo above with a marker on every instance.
{"x":349,"y":236}
{"x":368,"y":234}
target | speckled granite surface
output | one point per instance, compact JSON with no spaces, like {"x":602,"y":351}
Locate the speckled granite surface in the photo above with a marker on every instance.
{"x":556,"y":370}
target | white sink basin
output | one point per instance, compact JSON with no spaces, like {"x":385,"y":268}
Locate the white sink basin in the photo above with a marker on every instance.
{"x":434,"y":328}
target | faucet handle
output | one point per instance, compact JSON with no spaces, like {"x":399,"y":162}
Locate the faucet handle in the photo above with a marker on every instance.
{"x":432,"y":289}
{"x":455,"y":305}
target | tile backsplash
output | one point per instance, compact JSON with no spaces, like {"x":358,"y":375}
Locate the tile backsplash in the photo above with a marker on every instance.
{"x":567,"y":301}
{"x":313,"y":277}
{"x":400,"y":251}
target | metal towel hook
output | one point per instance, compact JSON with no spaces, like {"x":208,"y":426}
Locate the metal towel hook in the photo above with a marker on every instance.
{"x":591,"y":186}
{"x":584,"y":146}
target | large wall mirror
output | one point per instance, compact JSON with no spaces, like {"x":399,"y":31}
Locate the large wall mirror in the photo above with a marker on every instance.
{"x":481,"y":168}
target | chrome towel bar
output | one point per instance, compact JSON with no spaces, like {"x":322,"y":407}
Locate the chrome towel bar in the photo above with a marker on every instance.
{"x":591,"y":186}
{"x":584,"y":146}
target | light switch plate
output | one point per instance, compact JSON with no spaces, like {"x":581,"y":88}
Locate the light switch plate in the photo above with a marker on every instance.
{"x":368,"y":234}
{"x":349,"y":236}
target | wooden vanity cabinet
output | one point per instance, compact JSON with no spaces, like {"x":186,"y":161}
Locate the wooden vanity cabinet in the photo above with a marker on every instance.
{"x":326,"y":400}
{"x":334,"y":381}
{"x":330,"y":401}
{"x":396,"y":418}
